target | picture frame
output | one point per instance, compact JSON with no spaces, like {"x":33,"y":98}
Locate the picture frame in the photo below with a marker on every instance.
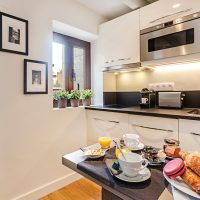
{"x":13,"y":34}
{"x":35,"y":77}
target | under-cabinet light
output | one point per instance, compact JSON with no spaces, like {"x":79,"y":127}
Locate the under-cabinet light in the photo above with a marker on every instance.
{"x":178,"y":67}
{"x":176,"y":5}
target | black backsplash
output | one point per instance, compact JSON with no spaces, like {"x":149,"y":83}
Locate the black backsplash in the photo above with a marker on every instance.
{"x":192,"y":98}
{"x":122,"y":98}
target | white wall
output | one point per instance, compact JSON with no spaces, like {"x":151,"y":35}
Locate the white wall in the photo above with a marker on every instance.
{"x":97,"y":74}
{"x":33,"y":137}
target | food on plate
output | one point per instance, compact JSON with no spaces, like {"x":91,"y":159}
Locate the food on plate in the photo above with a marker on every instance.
{"x":192,"y":160}
{"x":94,"y":152}
{"x":172,"y":148}
{"x":192,"y":179}
{"x":174,"y":168}
{"x":171,"y":141}
{"x":172,"y":151}
{"x":154,"y":155}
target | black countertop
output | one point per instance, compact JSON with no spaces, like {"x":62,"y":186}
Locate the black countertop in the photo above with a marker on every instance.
{"x":155,"y":112}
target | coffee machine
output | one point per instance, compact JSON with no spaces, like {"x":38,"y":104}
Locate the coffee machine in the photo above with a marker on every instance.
{"x":148,"y":98}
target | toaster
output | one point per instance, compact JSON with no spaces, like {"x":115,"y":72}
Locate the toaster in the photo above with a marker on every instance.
{"x":170,"y":99}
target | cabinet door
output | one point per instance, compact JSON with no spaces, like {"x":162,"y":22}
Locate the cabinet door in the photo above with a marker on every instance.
{"x":189,"y":133}
{"x":166,"y":11}
{"x":120,"y":40}
{"x":102,"y":123}
{"x":153,"y":130}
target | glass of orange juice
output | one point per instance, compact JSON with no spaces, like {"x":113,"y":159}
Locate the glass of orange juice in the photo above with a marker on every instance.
{"x":104,"y":142}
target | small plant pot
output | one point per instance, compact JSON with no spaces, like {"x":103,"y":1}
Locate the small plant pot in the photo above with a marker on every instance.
{"x":86,"y":102}
{"x":74,"y":102}
{"x":55,"y":103}
{"x":62,"y":103}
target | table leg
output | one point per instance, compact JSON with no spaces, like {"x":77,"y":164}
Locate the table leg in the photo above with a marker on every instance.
{"x":107,"y":195}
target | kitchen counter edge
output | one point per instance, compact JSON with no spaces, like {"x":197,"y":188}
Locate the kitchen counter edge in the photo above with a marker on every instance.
{"x":165,"y":113}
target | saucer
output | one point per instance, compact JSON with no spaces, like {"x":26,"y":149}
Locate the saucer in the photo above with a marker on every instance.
{"x":142,"y":176}
{"x":138,"y":148}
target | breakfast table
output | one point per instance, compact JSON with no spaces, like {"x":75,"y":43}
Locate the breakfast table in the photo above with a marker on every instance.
{"x":155,"y":188}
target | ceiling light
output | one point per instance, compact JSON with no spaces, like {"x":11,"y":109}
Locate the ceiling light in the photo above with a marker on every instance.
{"x":176,"y":5}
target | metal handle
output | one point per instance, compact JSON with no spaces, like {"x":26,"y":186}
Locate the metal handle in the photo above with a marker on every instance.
{"x":171,"y":15}
{"x":111,"y":121}
{"x":197,"y":134}
{"x":121,"y":59}
{"x":157,"y":129}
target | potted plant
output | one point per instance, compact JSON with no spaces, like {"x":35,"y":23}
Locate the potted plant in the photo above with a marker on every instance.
{"x":74,"y":97}
{"x":55,"y":100}
{"x":62,"y":98}
{"x":86,"y":96}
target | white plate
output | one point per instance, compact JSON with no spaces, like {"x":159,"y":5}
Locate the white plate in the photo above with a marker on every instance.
{"x":138,"y":148}
{"x":143,"y":175}
{"x":182,"y":186}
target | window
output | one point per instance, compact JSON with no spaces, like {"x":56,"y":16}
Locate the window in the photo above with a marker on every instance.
{"x":58,"y":66}
{"x":71,"y":63}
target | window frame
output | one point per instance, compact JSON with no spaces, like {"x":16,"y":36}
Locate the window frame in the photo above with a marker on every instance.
{"x":68,"y":43}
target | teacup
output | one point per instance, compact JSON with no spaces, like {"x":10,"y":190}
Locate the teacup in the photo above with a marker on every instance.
{"x":133,"y":164}
{"x":131,"y":140}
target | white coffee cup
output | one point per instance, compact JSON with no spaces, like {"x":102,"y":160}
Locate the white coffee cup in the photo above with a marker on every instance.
{"x":133,"y":164}
{"x":131,"y":140}
{"x":144,"y":100}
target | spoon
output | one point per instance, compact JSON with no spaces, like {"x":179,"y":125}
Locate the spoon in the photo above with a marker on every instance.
{"x":118,"y":146}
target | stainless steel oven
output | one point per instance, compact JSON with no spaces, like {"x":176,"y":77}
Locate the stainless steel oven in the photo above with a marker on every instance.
{"x":174,"y":38}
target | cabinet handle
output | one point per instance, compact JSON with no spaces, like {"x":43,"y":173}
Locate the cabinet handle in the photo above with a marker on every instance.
{"x":197,"y":134}
{"x":111,"y":121}
{"x":158,"y":129}
{"x":121,"y":59}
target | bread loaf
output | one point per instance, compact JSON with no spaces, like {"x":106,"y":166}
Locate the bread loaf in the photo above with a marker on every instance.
{"x":192,"y":180}
{"x":192,"y":160}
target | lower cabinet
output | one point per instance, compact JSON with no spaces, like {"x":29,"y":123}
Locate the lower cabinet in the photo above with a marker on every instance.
{"x":103,"y":123}
{"x":189,"y":132}
{"x":153,"y":130}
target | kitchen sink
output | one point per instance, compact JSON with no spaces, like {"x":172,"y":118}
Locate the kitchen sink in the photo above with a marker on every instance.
{"x":194,"y":112}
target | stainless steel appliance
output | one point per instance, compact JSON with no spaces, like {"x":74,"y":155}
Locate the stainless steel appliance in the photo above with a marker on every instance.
{"x":170,"y":99}
{"x":148,"y":98}
{"x":173,"y":38}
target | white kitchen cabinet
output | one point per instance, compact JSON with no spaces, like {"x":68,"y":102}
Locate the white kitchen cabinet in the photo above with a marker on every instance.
{"x":103,"y":123}
{"x":119,"y":40}
{"x":189,"y":133}
{"x":153,"y":130}
{"x":163,"y":11}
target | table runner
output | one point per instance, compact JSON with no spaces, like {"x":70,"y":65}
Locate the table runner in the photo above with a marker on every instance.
{"x":148,"y":190}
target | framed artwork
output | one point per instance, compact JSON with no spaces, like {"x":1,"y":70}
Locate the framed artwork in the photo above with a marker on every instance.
{"x":35,"y":77}
{"x":13,"y":34}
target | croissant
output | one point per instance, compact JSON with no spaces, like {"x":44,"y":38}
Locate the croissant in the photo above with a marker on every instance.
{"x":192,"y":160}
{"x":192,"y":179}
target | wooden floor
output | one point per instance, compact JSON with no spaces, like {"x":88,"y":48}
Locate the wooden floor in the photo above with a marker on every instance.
{"x":82,"y":189}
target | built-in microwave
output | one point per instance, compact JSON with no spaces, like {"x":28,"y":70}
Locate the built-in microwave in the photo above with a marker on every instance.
{"x":174,"y":38}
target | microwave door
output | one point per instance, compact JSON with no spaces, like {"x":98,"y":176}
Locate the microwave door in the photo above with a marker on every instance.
{"x":177,"y":40}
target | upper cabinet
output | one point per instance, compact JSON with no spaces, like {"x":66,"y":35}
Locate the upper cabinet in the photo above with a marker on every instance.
{"x":163,"y":11}
{"x":120,"y":40}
